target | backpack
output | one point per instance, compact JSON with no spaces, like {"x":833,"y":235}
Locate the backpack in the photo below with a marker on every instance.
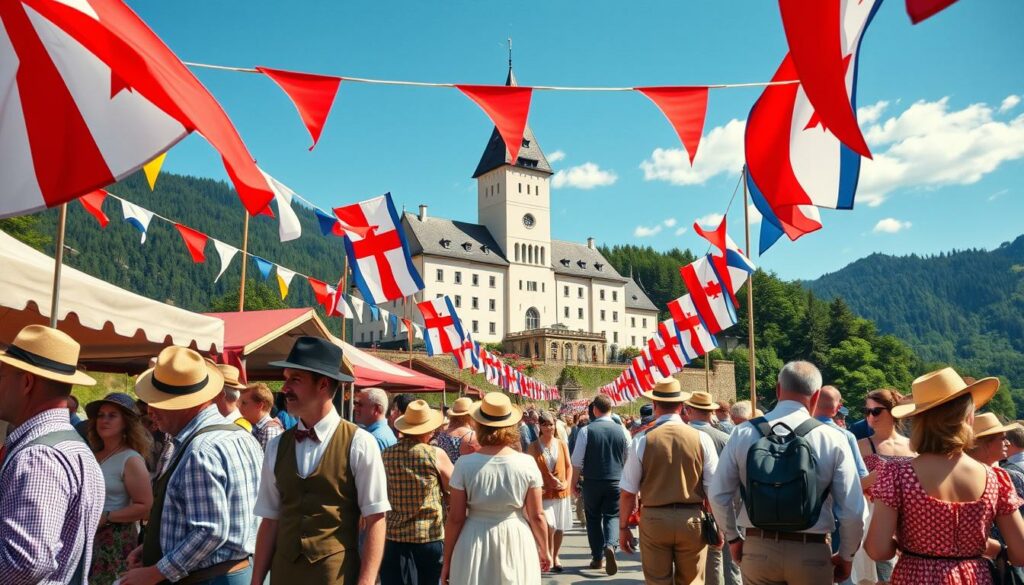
{"x":782,"y":492}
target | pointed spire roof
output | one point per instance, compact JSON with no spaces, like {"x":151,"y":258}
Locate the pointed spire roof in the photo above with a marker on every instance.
{"x":495,"y":154}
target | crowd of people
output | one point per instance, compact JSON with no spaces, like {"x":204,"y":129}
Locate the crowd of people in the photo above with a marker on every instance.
{"x":205,"y":480}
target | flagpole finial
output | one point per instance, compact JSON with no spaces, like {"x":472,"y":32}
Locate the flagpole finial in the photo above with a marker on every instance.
{"x":510,"y":52}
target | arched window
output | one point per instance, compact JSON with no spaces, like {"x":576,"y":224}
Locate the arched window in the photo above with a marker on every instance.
{"x":517,"y":252}
{"x":529,"y":254}
{"x":581,"y":356}
{"x":554,"y":350}
{"x":542,"y":255}
{"x":593,"y":354}
{"x":532,"y":318}
{"x":567,"y":352}
{"x":536,"y":349}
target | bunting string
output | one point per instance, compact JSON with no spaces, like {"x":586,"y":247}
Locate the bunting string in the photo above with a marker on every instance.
{"x":368,"y":80}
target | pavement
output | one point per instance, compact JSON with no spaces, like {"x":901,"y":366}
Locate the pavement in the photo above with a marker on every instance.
{"x":575,"y":556}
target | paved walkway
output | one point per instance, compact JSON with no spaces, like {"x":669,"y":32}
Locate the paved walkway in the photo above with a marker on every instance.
{"x":575,"y":557}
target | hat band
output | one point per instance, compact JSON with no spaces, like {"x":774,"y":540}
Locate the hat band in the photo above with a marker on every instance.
{"x":39,"y":361}
{"x":497,"y":418}
{"x":657,"y":394}
{"x":179,"y":390}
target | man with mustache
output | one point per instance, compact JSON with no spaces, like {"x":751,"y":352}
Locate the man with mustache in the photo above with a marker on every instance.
{"x":319,"y":478}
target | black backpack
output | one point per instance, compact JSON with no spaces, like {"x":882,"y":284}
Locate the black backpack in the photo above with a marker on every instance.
{"x":782,"y":491}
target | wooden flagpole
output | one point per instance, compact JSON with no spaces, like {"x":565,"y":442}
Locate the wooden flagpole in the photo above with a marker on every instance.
{"x":750,"y":299}
{"x":344,"y":288}
{"x":245,"y":262}
{"x":58,"y":262}
{"x":707,"y":373}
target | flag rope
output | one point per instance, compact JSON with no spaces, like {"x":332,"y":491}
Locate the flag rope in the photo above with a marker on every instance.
{"x":536,"y":87}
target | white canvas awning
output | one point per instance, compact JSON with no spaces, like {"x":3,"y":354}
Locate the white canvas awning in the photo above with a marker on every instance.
{"x":118,"y":330}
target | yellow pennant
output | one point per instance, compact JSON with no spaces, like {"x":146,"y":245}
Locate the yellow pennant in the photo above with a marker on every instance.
{"x":284,"y":279}
{"x":152,"y":169}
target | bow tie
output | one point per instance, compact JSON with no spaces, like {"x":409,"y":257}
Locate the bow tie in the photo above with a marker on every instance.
{"x":301,"y":435}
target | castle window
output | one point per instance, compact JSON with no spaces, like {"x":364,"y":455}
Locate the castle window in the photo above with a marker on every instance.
{"x":445,"y":243}
{"x":565,"y":291}
{"x":491,"y":280}
{"x":542,"y":255}
{"x":579,"y":292}
{"x":615,"y":336}
{"x":602,"y":294}
{"x":458,"y":277}
{"x":491,"y":328}
{"x":490,"y":304}
{"x":602,"y":313}
{"x":475,"y":279}
{"x":475,"y":303}
{"x":526,"y":143}
{"x":527,"y":188}
{"x":580,"y":311}
{"x":467,"y":246}
{"x":520,"y":187}
{"x":458,"y":301}
{"x":566,"y":312}
{"x":476,"y":327}
{"x":564,"y":261}
{"x":615,"y":295}
{"x":615,"y":316}
{"x":517,"y":252}
{"x":598,"y":265}
{"x":645,"y":321}
{"x":532,"y":318}
{"x":485,"y":249}
{"x":440,"y":275}
{"x":581,"y":264}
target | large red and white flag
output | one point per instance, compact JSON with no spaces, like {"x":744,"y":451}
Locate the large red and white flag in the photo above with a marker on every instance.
{"x":694,"y":336}
{"x":442,"y":330}
{"x":709,"y":294}
{"x":90,"y":96}
{"x":381,"y":265}
{"x":666,"y":350}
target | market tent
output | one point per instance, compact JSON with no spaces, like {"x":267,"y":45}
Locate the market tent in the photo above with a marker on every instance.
{"x":253,"y":339}
{"x":119,"y":331}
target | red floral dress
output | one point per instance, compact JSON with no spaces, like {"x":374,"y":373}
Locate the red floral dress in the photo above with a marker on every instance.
{"x":936,"y":528}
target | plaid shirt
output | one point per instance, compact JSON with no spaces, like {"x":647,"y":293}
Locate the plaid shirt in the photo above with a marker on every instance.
{"x":268,"y":428}
{"x":51,"y":504}
{"x":207,"y":516}
{"x":414,"y":490}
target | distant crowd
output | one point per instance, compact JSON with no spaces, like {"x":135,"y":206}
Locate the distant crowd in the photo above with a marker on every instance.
{"x":203,"y":479}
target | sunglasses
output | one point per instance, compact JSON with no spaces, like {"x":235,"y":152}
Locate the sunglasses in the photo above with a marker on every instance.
{"x":876,"y":411}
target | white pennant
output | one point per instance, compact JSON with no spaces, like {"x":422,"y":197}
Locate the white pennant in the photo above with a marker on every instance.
{"x":284,"y":280}
{"x":289,"y":229}
{"x":385,"y":317}
{"x":357,"y":309}
{"x":137,"y":216}
{"x":226,"y":253}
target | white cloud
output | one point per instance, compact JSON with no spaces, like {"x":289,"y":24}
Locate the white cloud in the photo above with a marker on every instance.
{"x":670,"y":222}
{"x":556,"y":156}
{"x":871,"y":114}
{"x":680,"y":231}
{"x":585,"y":176}
{"x":642,"y":231}
{"x":928,"y":145}
{"x":1009,"y":102}
{"x":720,"y":151}
{"x":710,"y":220}
{"x":755,"y":215}
{"x":891,"y":226}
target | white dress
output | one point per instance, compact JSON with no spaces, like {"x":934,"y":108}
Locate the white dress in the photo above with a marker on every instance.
{"x":496,"y":545}
{"x":558,"y":511}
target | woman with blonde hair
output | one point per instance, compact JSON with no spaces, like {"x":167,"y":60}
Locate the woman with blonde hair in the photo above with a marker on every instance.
{"x":458,"y":438}
{"x":938,"y":509}
{"x":496,"y":531}
{"x":118,"y":438}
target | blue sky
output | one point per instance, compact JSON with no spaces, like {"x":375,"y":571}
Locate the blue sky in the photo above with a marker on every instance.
{"x":940,"y":105}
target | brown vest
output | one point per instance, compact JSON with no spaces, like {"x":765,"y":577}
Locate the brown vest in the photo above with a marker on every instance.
{"x":319,"y":515}
{"x":673,"y":465}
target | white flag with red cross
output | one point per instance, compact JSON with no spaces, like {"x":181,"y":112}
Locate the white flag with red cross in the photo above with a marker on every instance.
{"x":710,"y":294}
{"x":694,"y":336}
{"x":666,"y":350}
{"x":443,"y":332}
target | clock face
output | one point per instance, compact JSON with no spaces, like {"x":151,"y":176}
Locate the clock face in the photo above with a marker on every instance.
{"x":528,"y":220}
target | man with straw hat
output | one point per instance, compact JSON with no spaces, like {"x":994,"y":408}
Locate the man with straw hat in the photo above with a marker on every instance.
{"x":201,"y":525}
{"x":670,"y":466}
{"x":700,"y":409}
{"x":417,"y":479}
{"x":227,"y":401}
{"x":51,"y":484}
{"x":319,"y":478}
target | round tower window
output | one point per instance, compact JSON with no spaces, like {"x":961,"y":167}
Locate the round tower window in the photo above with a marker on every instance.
{"x":528,"y":220}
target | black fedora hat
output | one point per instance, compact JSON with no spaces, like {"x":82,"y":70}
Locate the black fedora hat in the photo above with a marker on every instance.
{"x":316,"y":355}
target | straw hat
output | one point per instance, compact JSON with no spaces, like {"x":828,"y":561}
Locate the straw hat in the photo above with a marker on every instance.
{"x":461,"y":407}
{"x":47,"y":353}
{"x":230,"y":374}
{"x":419,"y":419}
{"x":987,"y":424}
{"x":941,"y":386}
{"x":702,"y":401}
{"x":181,"y":379}
{"x":119,"y":399}
{"x":668,"y":390}
{"x":496,"y":410}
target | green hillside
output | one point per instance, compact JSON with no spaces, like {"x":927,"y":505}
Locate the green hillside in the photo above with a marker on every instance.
{"x":964,"y":307}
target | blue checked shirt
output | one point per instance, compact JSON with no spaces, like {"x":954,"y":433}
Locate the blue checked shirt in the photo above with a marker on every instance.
{"x":207,"y":517}
{"x":52,"y":501}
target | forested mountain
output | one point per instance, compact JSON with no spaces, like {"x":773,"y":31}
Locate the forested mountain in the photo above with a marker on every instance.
{"x":162,"y":269}
{"x":965,"y":307}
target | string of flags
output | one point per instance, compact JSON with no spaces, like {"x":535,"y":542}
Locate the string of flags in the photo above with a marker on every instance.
{"x":708,"y":308}
{"x":444,"y":333}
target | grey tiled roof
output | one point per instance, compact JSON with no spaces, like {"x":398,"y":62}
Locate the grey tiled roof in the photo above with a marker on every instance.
{"x":437,"y":236}
{"x":574,"y":259}
{"x":495,"y":154}
{"x":636,"y":299}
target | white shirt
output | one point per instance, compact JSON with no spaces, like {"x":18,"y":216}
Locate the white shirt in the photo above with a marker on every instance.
{"x":632,"y":471}
{"x":364,"y":460}
{"x":835,"y":468}
{"x":233,"y":416}
{"x":580,"y":448}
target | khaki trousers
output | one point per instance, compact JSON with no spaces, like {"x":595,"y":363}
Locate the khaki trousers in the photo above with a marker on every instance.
{"x":783,"y":562}
{"x":672,"y":547}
